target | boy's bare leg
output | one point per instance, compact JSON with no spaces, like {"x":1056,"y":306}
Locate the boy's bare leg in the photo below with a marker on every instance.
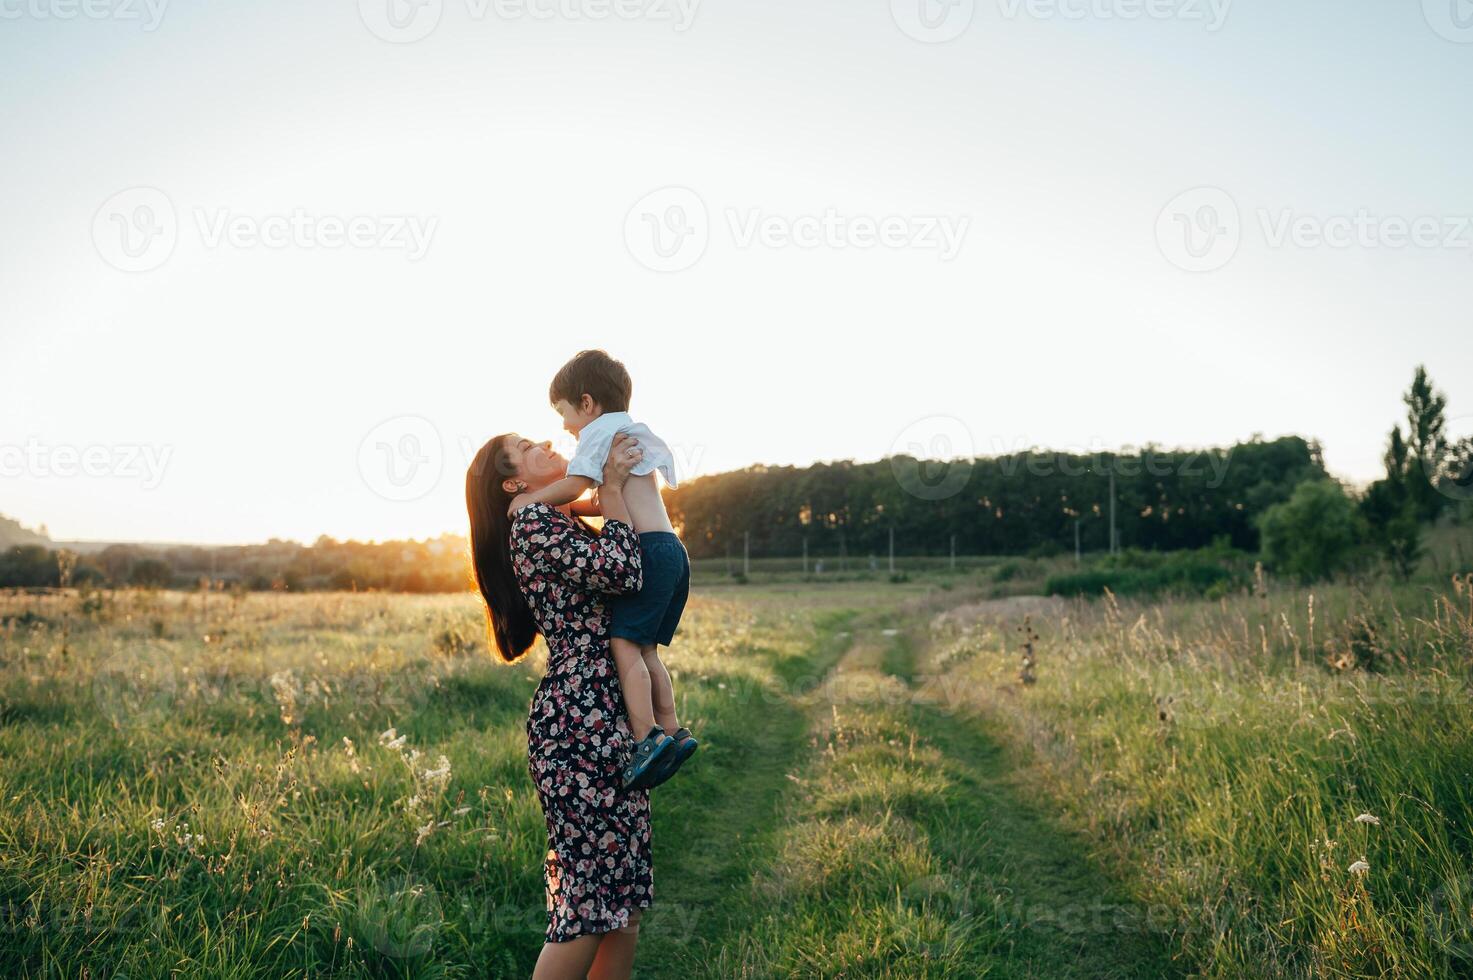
{"x":662,"y":692}
{"x":634,"y":678}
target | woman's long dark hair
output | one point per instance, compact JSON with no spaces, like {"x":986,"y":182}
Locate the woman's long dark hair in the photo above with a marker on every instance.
{"x":510,"y":628}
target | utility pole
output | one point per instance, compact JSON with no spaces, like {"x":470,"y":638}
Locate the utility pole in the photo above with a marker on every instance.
{"x":1112,"y":510}
{"x":805,"y":557}
{"x":746,"y":553}
{"x":953,"y":552}
{"x":892,"y":550}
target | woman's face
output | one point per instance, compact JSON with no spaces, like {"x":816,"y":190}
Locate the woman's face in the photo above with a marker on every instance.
{"x":536,"y":464}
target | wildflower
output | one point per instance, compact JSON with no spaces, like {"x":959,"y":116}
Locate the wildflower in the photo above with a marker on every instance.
{"x":1359,"y":868}
{"x":391,"y":739}
{"x":423,"y":832}
{"x":440,"y":774}
{"x":158,"y":824}
{"x":461,"y":811}
{"x":284,"y":687}
{"x":1368,"y":818}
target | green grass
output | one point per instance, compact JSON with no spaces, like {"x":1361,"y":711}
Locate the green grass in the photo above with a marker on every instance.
{"x":201,"y":786}
{"x":908,"y":852}
{"x":1224,"y":751}
{"x":993,"y":574}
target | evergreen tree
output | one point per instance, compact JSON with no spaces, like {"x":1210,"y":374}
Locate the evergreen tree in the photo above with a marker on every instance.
{"x":1427,"y":442}
{"x":1389,"y":513}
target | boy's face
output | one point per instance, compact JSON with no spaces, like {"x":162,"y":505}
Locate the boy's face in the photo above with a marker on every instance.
{"x":575,"y":417}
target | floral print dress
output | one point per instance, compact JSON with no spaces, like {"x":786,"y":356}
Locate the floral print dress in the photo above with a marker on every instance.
{"x":598,"y":866}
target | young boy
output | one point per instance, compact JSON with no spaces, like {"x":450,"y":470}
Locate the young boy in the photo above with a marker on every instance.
{"x":591,"y":392}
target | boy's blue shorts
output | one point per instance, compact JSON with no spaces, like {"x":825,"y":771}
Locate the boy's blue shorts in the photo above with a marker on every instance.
{"x":651,"y":615}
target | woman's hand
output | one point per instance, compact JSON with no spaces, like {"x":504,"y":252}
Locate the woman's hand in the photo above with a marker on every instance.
{"x":624,"y":455}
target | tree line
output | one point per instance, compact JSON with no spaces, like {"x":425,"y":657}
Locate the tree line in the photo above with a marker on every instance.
{"x":1271,"y":498}
{"x":432,"y":565}
{"x":1324,"y":529}
{"x":1028,"y":503}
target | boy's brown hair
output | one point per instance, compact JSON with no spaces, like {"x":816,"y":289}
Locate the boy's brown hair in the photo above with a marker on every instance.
{"x":596,"y":374}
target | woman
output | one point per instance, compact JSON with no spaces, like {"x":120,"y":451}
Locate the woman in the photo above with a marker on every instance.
{"x":540,"y":570}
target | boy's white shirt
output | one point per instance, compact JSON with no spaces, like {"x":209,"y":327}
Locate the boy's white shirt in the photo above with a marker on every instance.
{"x":597,"y":436}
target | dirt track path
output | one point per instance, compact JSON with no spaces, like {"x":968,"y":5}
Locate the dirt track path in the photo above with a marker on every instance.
{"x":891,"y":837}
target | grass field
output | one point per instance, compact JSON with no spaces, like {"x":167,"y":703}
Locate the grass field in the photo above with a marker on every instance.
{"x":208,"y":785}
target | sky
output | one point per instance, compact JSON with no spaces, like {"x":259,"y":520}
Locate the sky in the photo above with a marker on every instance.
{"x":278,"y":269}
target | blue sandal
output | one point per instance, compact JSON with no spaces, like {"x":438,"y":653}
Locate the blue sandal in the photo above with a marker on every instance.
{"x":685,"y":747}
{"x":643,"y":763}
